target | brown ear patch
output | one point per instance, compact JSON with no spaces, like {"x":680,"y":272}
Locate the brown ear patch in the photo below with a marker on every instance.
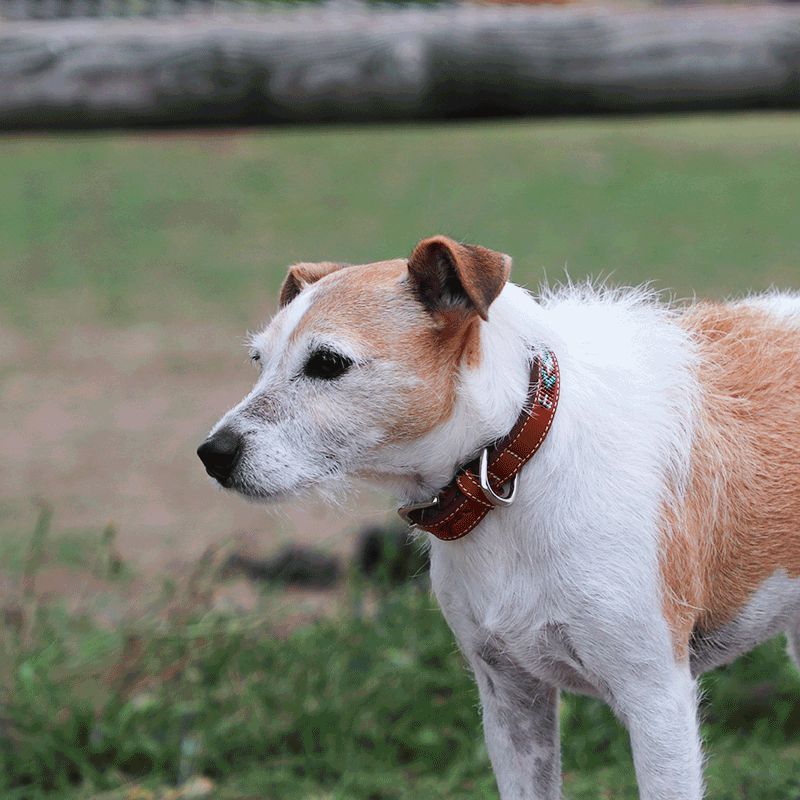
{"x":304,"y":274}
{"x":446,"y":275}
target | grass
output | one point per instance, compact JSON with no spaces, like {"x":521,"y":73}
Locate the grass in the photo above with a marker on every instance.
{"x":375,"y":706}
{"x":123,"y":228}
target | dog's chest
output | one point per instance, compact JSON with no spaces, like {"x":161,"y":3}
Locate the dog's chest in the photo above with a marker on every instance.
{"x":546,"y":653}
{"x":553,"y":657}
{"x":513,"y":623}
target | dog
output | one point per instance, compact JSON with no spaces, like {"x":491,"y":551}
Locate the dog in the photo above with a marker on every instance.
{"x":610,"y":484}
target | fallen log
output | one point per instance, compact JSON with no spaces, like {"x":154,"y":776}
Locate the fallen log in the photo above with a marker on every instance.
{"x":353,"y":63}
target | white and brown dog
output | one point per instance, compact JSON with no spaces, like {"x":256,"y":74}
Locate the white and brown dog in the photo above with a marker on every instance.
{"x":654,"y":535}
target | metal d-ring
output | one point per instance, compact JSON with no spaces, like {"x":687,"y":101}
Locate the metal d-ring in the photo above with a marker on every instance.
{"x":495,"y":499}
{"x":405,"y":511}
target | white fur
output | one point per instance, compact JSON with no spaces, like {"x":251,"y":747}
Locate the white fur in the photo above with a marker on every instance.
{"x":773,"y":608}
{"x":784,"y":305}
{"x":563,"y":588}
{"x":579,"y":549}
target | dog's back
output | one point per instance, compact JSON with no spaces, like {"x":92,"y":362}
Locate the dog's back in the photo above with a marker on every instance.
{"x":731,"y":562}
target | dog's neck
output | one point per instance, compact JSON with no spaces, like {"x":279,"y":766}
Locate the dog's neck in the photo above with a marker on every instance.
{"x":490,"y":398}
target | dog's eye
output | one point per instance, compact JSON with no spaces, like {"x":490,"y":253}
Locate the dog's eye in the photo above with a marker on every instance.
{"x":326,"y":365}
{"x":255,"y":357}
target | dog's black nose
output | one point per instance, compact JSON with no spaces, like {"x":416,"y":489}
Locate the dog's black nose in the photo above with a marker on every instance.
{"x":219,"y":454}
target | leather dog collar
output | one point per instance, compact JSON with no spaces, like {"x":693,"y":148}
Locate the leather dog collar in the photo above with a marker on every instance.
{"x":478,"y":486}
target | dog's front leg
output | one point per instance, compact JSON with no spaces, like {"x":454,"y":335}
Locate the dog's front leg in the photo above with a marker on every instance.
{"x":520,"y":722}
{"x":660,"y":712}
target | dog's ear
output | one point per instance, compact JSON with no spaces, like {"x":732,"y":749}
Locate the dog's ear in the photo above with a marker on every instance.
{"x":446,"y":274}
{"x":301,"y":275}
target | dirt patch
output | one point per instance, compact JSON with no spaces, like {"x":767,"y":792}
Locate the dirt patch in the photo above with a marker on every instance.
{"x":102,"y":424}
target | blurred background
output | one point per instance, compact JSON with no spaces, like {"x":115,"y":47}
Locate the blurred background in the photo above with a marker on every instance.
{"x":161,"y":165}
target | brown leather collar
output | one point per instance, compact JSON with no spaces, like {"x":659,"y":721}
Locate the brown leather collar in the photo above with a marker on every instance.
{"x":477,"y":486}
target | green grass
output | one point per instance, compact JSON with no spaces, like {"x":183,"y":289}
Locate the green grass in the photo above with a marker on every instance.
{"x":125,"y":227}
{"x":377,"y":707}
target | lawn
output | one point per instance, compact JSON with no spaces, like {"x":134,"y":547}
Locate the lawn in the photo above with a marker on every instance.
{"x":358,"y":706}
{"x":157,"y":227}
{"x":131,"y":265}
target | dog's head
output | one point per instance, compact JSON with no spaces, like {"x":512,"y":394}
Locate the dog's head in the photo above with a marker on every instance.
{"x":359,"y":364}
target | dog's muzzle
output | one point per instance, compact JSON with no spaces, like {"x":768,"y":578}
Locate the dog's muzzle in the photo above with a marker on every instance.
{"x":220,"y":454}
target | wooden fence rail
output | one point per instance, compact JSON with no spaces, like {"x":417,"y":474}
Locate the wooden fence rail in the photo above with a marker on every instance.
{"x":350,"y":63}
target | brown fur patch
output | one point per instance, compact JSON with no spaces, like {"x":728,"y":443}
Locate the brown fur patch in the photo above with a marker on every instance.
{"x":740,"y":521}
{"x":471,"y":353}
{"x":376,"y":307}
